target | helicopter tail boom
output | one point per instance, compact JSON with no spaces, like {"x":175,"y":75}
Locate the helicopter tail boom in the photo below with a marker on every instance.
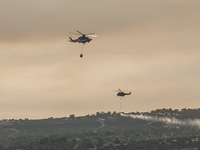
{"x":71,"y":40}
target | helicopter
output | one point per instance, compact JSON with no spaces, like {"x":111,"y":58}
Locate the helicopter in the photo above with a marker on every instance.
{"x":121,"y":93}
{"x":82,"y":39}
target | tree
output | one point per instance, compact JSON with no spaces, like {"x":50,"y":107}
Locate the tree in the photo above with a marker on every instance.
{"x":100,"y":142}
{"x":72,"y":116}
{"x":86,"y":144}
{"x":116,"y":141}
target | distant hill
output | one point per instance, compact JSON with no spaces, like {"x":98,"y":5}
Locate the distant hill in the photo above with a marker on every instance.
{"x":111,"y":127}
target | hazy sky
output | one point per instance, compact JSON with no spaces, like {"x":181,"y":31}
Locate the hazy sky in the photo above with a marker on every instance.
{"x":150,"y":47}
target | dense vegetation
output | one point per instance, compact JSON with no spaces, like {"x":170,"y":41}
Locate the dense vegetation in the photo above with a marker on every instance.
{"x":63,"y":143}
{"x":101,"y":131}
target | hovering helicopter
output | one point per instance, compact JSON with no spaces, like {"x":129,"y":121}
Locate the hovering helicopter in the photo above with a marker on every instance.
{"x":82,"y":39}
{"x":121,"y":93}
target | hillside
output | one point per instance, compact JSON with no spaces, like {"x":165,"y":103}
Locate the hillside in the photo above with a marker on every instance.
{"x":108,"y":128}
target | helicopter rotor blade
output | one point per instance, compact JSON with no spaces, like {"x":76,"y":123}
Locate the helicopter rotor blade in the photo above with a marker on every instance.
{"x":126,"y":91}
{"x":79,"y":32}
{"x":92,"y":35}
{"x":74,"y":33}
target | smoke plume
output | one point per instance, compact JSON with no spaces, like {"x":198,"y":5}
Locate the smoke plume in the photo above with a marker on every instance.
{"x":167,"y":120}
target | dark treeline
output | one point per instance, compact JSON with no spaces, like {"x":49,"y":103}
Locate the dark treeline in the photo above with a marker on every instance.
{"x":183,"y":113}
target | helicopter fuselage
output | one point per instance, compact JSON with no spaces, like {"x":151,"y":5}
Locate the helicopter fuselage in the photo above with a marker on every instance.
{"x":123,"y":94}
{"x":83,"y":39}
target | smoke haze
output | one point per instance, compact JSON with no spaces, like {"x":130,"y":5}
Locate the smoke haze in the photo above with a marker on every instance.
{"x":150,"y":47}
{"x":166,"y":120}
